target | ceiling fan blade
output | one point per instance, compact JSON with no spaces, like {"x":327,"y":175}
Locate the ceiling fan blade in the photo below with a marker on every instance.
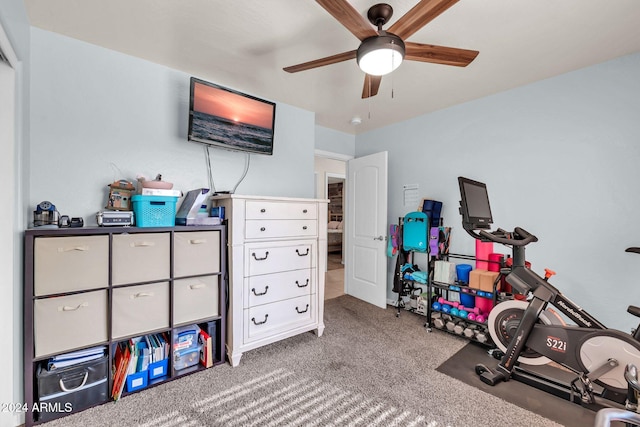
{"x":371,"y":85}
{"x":345,"y":56}
{"x":352,"y":20}
{"x":439,"y":54}
{"x":419,"y":16}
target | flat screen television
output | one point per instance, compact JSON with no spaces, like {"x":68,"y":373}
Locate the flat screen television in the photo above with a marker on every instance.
{"x":474,"y":206}
{"x":229,"y":119}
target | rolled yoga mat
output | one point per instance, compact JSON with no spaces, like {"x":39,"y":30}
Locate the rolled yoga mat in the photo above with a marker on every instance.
{"x":483,"y":250}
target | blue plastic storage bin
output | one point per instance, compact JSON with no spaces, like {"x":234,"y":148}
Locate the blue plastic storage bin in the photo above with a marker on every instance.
{"x":154,"y":211}
{"x":137,"y":381}
{"x":158,"y":369}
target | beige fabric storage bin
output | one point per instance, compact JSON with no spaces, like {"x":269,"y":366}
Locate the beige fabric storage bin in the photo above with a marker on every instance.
{"x":139,"y":309}
{"x":140,"y":258}
{"x":277,"y":210}
{"x":67,"y":322}
{"x":66,"y":264}
{"x":196,"y":252}
{"x":265,"y":260}
{"x":267,"y":288}
{"x":195,"y":298}
{"x":265,"y":320}
{"x":269,"y":229}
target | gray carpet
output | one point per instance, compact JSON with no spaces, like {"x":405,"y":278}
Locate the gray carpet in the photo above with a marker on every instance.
{"x":369,"y":368}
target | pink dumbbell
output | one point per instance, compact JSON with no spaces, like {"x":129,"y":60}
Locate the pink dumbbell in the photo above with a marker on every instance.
{"x":451,"y":303}
{"x":475,"y":310}
{"x":477,"y":318}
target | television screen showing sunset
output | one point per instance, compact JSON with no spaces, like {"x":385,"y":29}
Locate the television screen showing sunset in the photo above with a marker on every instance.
{"x":233,"y":120}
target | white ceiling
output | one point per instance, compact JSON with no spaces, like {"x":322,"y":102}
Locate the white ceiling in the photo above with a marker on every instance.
{"x":244,"y":44}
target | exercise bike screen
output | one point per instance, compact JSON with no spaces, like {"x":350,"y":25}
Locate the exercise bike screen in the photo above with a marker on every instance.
{"x":475,"y":200}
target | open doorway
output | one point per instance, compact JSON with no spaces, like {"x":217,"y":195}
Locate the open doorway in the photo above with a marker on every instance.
{"x":331,"y":184}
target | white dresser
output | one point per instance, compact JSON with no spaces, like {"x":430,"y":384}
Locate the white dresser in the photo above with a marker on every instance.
{"x":277,"y":260}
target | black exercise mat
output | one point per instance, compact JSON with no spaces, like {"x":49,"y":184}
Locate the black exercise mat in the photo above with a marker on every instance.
{"x":461,"y":366}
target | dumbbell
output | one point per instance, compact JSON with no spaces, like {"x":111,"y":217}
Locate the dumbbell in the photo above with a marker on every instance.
{"x":437,"y":320}
{"x":474,"y":310}
{"x":451,"y":303}
{"x":463,"y":313}
{"x":470,"y":331}
{"x":454,"y":312}
{"x":436,"y":306}
{"x":450,"y":325}
{"x":480,"y":318}
{"x":481,"y":336}
{"x":459,"y":328}
{"x":446,"y":308}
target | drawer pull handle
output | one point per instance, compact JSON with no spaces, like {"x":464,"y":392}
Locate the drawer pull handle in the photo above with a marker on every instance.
{"x":253,"y":319}
{"x":304,"y":227}
{"x":142,"y":244}
{"x":266,"y":254}
{"x":74,"y":248}
{"x":302,"y":286}
{"x":84,"y":381}
{"x":266,"y":288}
{"x":304,"y":211}
{"x":141,"y":295}
{"x":263,"y":210}
{"x":197,"y":241}
{"x":304,"y":254}
{"x":70,"y":308}
{"x":262,"y":229}
{"x":197,"y":286}
{"x":303,"y":311}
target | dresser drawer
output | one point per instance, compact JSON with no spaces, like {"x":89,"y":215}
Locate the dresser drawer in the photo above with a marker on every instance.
{"x":280,"y":210}
{"x":269,"y":229}
{"x":270,"y":319}
{"x":65,"y":264}
{"x":140,"y":258}
{"x":72,"y":321}
{"x":196,"y":253}
{"x":141,"y":308}
{"x":274,"y":259}
{"x":195,"y":298}
{"x":269,"y":288}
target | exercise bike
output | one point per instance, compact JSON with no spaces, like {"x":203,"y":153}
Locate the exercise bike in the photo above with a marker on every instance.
{"x":528,"y":332}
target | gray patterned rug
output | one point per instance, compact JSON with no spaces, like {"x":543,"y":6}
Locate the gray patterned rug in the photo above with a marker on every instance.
{"x":368,"y":369}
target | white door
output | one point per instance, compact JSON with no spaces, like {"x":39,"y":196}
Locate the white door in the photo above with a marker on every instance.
{"x":366,"y":229}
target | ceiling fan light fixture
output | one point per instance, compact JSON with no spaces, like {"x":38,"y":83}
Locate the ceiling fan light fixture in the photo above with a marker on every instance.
{"x":380,"y":55}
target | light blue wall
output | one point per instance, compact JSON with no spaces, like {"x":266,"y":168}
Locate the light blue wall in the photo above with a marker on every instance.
{"x":561,"y":158}
{"x":98,"y":115}
{"x":334,"y":141}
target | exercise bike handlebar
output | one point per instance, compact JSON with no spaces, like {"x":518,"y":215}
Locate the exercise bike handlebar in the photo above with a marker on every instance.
{"x":519,"y":237}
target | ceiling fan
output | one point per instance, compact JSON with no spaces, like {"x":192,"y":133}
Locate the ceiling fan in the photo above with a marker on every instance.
{"x":389,"y":46}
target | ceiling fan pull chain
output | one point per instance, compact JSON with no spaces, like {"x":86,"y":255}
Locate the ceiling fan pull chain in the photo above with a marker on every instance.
{"x":392,"y":79}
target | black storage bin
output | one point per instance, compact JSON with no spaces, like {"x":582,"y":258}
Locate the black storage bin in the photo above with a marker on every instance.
{"x":71,"y":389}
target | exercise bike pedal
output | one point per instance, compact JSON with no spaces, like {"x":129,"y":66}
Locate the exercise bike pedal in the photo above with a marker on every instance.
{"x":488,"y":376}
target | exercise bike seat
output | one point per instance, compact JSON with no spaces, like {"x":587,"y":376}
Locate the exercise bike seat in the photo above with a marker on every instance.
{"x":632,"y":309}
